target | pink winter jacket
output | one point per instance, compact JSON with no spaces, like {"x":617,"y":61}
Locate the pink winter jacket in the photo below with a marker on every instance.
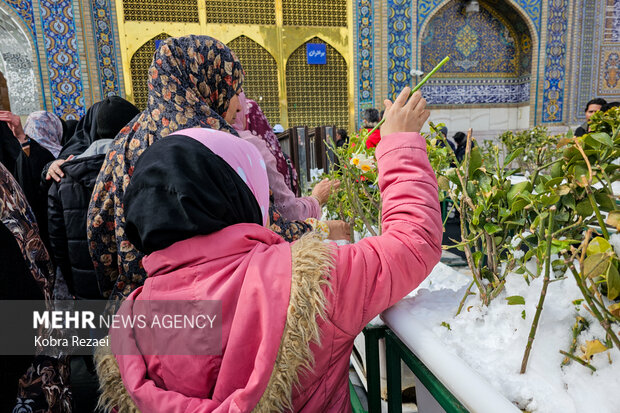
{"x":249,"y":268}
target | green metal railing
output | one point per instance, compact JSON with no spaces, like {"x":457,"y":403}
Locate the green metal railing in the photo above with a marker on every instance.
{"x":397,"y":351}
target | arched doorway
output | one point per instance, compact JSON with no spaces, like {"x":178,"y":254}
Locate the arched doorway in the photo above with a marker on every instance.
{"x":490,"y":69}
{"x":317,"y":94}
{"x":261,"y":76}
{"x":16,"y":64}
{"x":140,"y":63}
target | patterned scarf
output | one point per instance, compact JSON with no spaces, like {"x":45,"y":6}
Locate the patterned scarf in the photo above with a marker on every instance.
{"x":256,"y":122}
{"x":191,"y":82}
{"x":17,"y":216}
{"x":45,"y":128}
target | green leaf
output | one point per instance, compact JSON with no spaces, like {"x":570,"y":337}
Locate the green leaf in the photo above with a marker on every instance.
{"x":523,"y":314}
{"x":598,"y":245}
{"x":605,"y":202}
{"x":584,"y":208}
{"x":549,"y":199}
{"x":515,"y":300}
{"x":513,"y":155}
{"x":613,"y":282}
{"x":557,"y":171}
{"x":477,"y":256}
{"x":595,"y":265}
{"x":517,"y":189}
{"x":569,"y":201}
{"x":475,"y":161}
{"x":492,"y":228}
{"x":581,"y":173}
{"x":446,"y":325}
{"x":603,"y":138}
{"x":554,"y":182}
{"x":519,"y":204}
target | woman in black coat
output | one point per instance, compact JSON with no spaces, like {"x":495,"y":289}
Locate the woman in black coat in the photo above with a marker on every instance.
{"x":68,"y":199}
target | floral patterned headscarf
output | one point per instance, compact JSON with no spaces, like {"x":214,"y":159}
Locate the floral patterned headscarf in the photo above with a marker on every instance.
{"x":45,"y":128}
{"x":251,"y":118}
{"x":191,"y":82}
{"x":16,"y":215}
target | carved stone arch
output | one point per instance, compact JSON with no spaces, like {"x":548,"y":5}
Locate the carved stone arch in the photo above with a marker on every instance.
{"x":19,"y":63}
{"x":317,"y":94}
{"x":261,"y":75}
{"x":139,"y":66}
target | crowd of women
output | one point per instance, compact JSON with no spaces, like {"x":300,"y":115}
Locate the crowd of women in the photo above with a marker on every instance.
{"x":193,"y":199}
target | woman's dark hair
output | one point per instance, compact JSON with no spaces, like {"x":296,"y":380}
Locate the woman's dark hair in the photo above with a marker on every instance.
{"x":371,"y":116}
{"x":343,"y":134}
{"x":596,"y":101}
{"x":609,"y":105}
{"x":459,"y":138}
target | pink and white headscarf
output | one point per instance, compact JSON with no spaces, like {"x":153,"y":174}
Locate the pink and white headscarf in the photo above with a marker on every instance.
{"x":242,"y":156}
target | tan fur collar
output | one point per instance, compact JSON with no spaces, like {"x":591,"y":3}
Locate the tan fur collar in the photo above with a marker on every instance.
{"x":312,"y":263}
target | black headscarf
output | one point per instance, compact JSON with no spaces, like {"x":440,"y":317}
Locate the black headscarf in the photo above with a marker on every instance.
{"x":116,"y":112}
{"x":68,"y":129}
{"x":180,"y":189}
{"x":9,"y":147}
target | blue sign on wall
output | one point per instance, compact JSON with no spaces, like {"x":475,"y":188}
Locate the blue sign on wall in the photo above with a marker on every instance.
{"x":316,"y":53}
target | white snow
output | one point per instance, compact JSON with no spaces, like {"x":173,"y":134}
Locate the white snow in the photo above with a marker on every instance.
{"x":492,"y":340}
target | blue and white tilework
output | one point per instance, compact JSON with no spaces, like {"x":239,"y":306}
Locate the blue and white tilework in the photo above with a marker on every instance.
{"x":63,"y":62}
{"x":105,"y":47}
{"x":365,"y":52}
{"x":555,"y":65}
{"x":399,"y":46}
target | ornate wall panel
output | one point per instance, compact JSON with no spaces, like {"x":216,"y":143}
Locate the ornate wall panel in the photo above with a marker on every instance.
{"x":16,"y":62}
{"x":140,"y":63}
{"x":185,"y":11}
{"x":331,"y":13}
{"x":490,"y":51}
{"x":532,"y":8}
{"x":365,"y":54}
{"x":241,"y":12}
{"x":555,"y":61}
{"x":261,"y":80}
{"x":399,"y":46}
{"x":481,"y":44}
{"x":317,"y":94}
{"x":609,"y":64}
{"x":106,"y":49}
{"x":64,"y":74}
{"x":24,"y":9}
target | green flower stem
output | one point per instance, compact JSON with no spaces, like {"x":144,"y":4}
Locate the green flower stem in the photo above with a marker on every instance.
{"x":467,"y":294}
{"x":543,"y":292}
{"x":586,"y":295}
{"x":578,"y":360}
{"x":416,"y":88}
{"x":597,"y":212}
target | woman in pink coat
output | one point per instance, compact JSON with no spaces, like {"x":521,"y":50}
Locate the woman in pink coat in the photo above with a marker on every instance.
{"x":289,"y":313}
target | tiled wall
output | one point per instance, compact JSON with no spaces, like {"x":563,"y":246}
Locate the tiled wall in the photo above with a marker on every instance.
{"x":58,"y":56}
{"x":573,"y":48}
